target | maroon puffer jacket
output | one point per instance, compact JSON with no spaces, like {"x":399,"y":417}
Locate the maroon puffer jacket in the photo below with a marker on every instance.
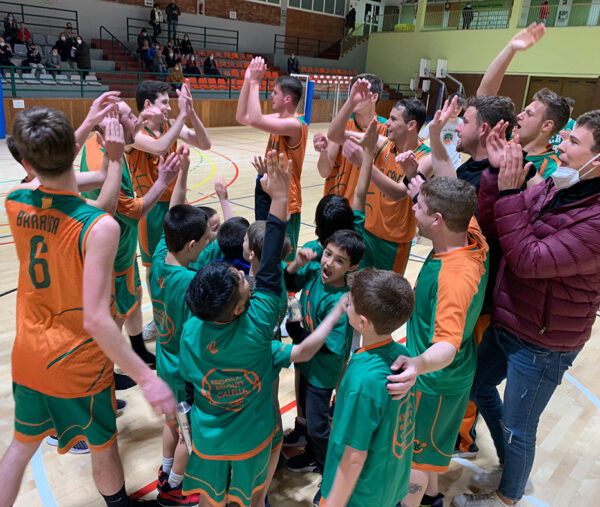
{"x":548,"y":287}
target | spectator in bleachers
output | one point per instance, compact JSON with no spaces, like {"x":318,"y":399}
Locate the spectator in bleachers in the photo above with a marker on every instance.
{"x":293,"y":64}
{"x":173,"y":14}
{"x":147,"y":54}
{"x":82,"y":56}
{"x":33,"y":61}
{"x":24,"y":35}
{"x":544,"y":11}
{"x":350,"y":20}
{"x":176,"y":77}
{"x":172,"y":58}
{"x":143,"y":37}
{"x":68,"y":31}
{"x":10,"y":28}
{"x":53,"y":62}
{"x":159,"y":65}
{"x":176,"y":43}
{"x":63,"y":47}
{"x":191,"y":67}
{"x":5,"y":54}
{"x":467,"y":15}
{"x":210,"y":66}
{"x":156,"y":18}
{"x":186,"y":45}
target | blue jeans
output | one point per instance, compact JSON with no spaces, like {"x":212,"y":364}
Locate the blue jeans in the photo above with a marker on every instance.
{"x":171,"y":29}
{"x":532,"y":374}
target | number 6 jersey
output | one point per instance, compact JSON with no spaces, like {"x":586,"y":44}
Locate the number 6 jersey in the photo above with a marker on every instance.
{"x":52,"y":353}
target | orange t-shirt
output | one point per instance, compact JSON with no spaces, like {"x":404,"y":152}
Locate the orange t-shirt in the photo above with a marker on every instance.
{"x":296,"y":155}
{"x":385,"y":218}
{"x":144,"y":166}
{"x":344,"y":176}
{"x":53,"y":353}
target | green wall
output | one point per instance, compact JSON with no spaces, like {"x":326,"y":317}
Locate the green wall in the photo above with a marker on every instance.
{"x":564,"y":51}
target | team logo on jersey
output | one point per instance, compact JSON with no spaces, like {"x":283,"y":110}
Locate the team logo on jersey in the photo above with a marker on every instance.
{"x":46,"y":202}
{"x":405,"y":426}
{"x":164,"y":325}
{"x":212,"y":347}
{"x":230,"y":388}
{"x":447,"y":138}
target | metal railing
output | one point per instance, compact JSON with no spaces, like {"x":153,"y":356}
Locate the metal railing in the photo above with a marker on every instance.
{"x":201,"y":37}
{"x":116,"y":45}
{"x":14,"y":80}
{"x":403,"y":88}
{"x":48,"y":18}
{"x":305,"y":46}
{"x":476,"y":19}
{"x":577,"y":14}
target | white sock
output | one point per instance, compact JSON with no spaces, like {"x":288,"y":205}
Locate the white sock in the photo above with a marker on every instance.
{"x":167,"y":464}
{"x":175,"y":479}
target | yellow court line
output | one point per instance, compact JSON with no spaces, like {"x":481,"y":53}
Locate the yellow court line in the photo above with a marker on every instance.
{"x":212,"y":172}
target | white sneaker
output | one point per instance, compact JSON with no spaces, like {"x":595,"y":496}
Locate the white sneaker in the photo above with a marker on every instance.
{"x":488,"y":499}
{"x":149,"y":332}
{"x":491,"y":480}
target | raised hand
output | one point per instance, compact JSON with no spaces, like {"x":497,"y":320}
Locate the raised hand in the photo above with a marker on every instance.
{"x":183,"y":152}
{"x":409,"y":163}
{"x":276,"y":182}
{"x":495,"y":143}
{"x":256,"y":70}
{"x":221,"y":189}
{"x":527,"y":37}
{"x":260,"y":164}
{"x":442,"y":116}
{"x":304,"y":256}
{"x":150,"y":113}
{"x":103,"y":105}
{"x":320,"y":142}
{"x":113,"y":140}
{"x":184,"y":99}
{"x":512,"y":173}
{"x":361,"y":91}
{"x":369,"y":140}
{"x":169,"y":168}
{"x":414,"y":186}
{"x":353,"y":152}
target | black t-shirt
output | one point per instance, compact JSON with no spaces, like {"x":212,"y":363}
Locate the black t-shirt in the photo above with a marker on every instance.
{"x":471,"y":171}
{"x":578,"y":192}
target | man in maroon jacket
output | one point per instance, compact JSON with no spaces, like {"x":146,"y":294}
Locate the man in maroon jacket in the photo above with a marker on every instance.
{"x":546,"y":297}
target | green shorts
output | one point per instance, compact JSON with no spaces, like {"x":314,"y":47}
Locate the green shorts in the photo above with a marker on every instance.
{"x":127,"y":287}
{"x":383,"y":254}
{"x":150,"y":230}
{"x":91,"y":418}
{"x":292,"y":229}
{"x":222,"y":480}
{"x":437,"y":424}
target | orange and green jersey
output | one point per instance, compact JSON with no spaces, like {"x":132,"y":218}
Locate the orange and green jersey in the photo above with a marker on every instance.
{"x":545,"y":162}
{"x":296,"y":155}
{"x":53,"y":354}
{"x":385,"y":431}
{"x":449,"y":295}
{"x":144,"y":166}
{"x":129,"y":207}
{"x":385,"y":218}
{"x":344,"y":175}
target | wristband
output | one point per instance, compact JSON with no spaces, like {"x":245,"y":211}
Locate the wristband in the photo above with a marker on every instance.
{"x":406,"y":181}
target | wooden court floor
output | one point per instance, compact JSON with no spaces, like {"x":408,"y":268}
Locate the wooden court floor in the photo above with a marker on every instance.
{"x":567,"y":465}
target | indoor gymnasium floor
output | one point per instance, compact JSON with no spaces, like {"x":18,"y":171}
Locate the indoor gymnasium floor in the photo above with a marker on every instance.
{"x":567,"y":466}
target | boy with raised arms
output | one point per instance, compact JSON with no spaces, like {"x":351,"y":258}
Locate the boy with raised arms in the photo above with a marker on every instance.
{"x":370,"y":449}
{"x":288,"y":132}
{"x":66,"y":340}
{"x":228,"y":357}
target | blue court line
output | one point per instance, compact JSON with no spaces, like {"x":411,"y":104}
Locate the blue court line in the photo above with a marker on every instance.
{"x":40,"y":479}
{"x":584,"y":390}
{"x":535,"y":501}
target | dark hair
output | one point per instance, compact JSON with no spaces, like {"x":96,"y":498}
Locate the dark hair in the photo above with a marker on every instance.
{"x":149,"y":90}
{"x":183,"y":223}
{"x":45,"y":138}
{"x":591,"y":121}
{"x":333,"y":213}
{"x":570,"y":101}
{"x":256,"y":239}
{"x":461,"y":99}
{"x":375,"y":82}
{"x":210,"y":212}
{"x":412,"y":109}
{"x":453,"y":198}
{"x":214,"y":292}
{"x":384,"y":297}
{"x":14,"y":151}
{"x":290,"y":86}
{"x":349,"y":241}
{"x":230,"y":237}
{"x":493,"y":108}
{"x":557,"y":109}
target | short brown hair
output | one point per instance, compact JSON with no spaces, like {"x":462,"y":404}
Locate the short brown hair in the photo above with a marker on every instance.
{"x":453,"y":198}
{"x":557,"y":108}
{"x":384,"y":297}
{"x":44,"y":137}
{"x":493,"y":108}
{"x":375,"y":82}
{"x":591,"y":121}
{"x":256,"y":239}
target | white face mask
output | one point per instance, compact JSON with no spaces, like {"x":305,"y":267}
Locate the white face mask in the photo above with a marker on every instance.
{"x":565,"y":177}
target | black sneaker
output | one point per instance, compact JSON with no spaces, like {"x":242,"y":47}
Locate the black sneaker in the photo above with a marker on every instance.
{"x":296,"y":437}
{"x":121,"y":404}
{"x":302,"y":463}
{"x":173,"y":497}
{"x":163,"y":478}
{"x":432,"y":501}
{"x":468,"y":454}
{"x":79,"y":448}
{"x":123,"y":382}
